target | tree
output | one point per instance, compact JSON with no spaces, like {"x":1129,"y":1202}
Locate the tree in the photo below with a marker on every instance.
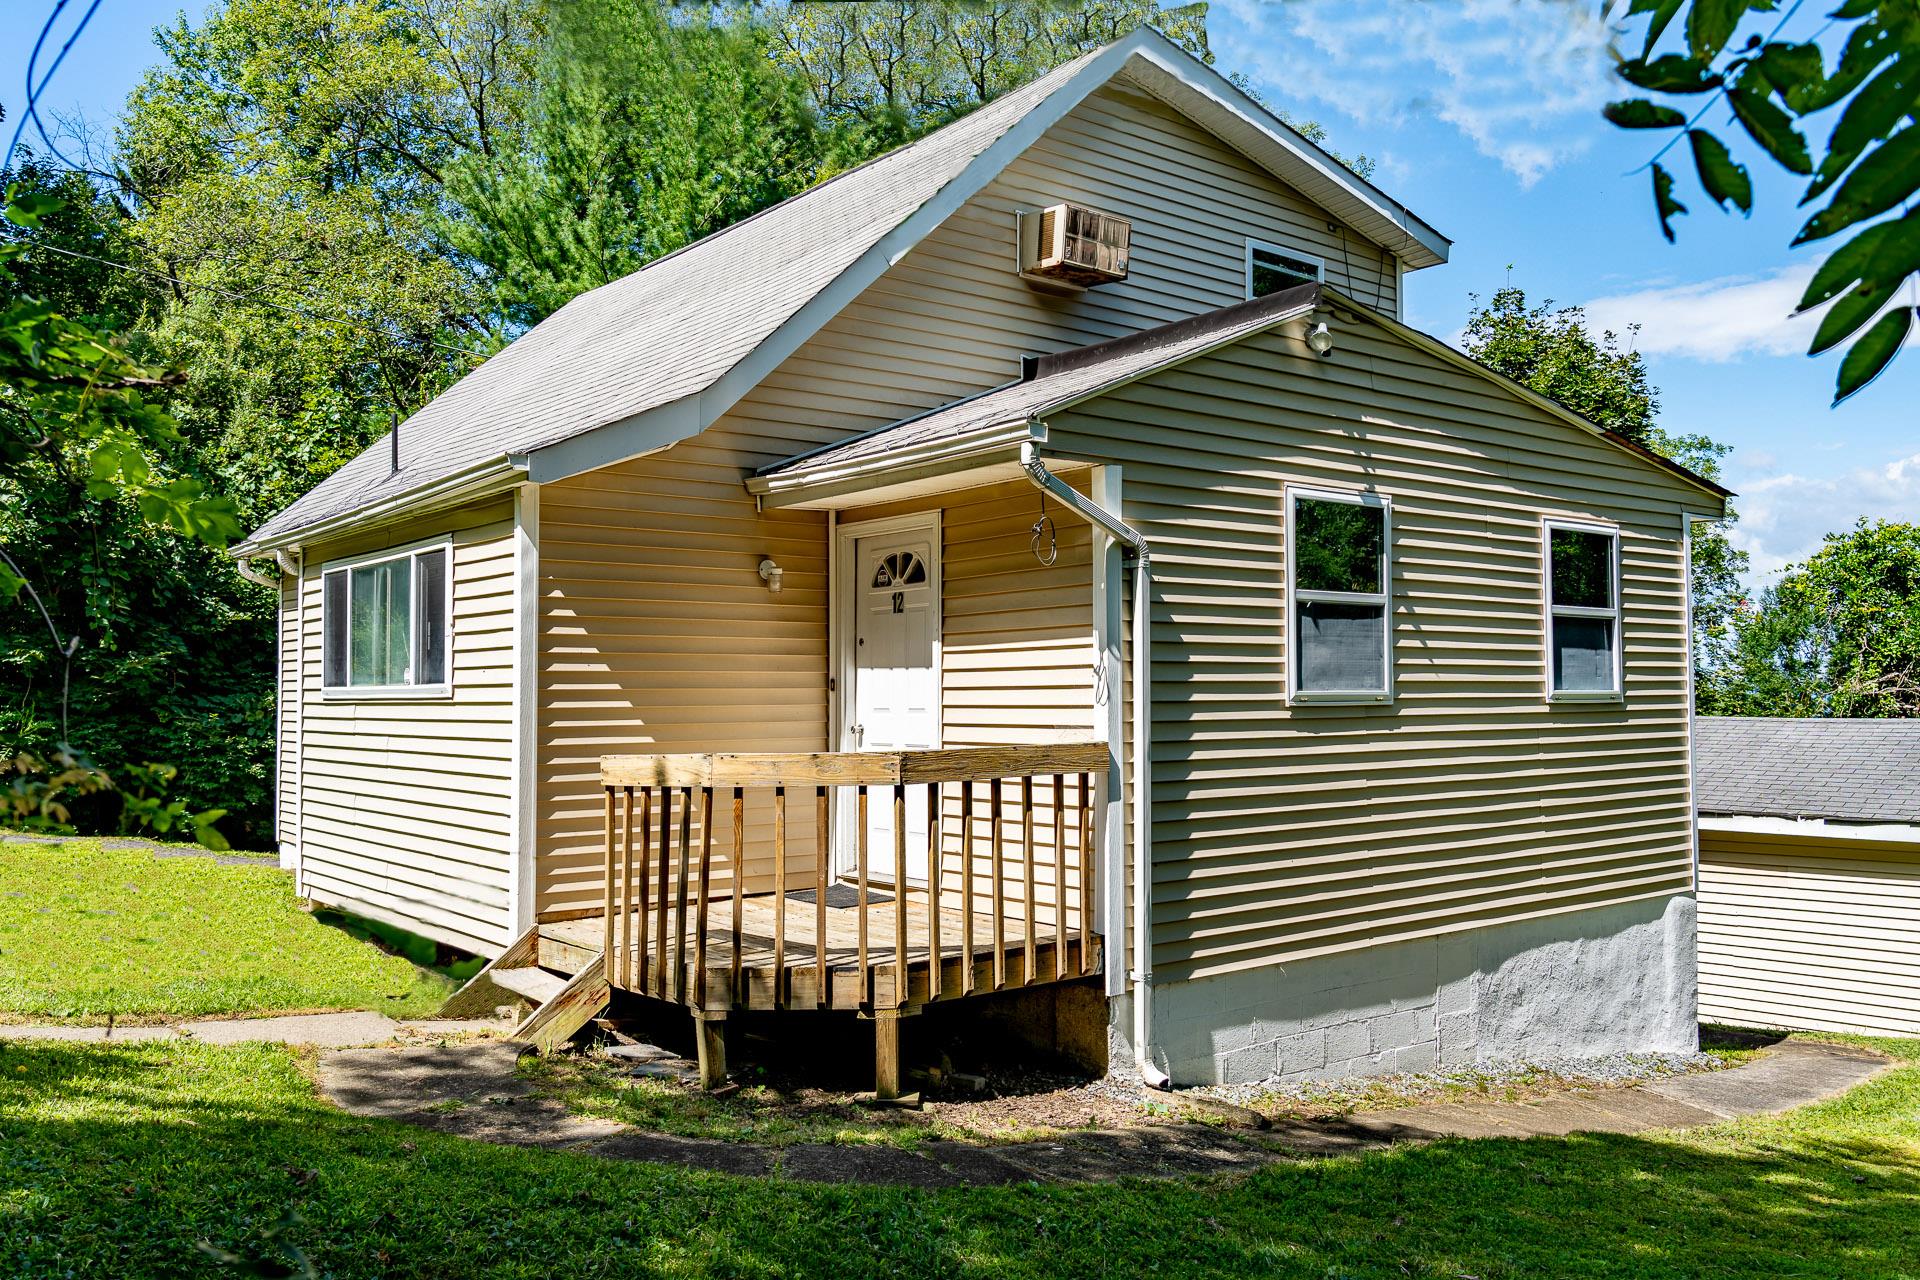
{"x":644,"y":135}
{"x":90,"y":465}
{"x":1837,"y":636}
{"x":1553,"y":352}
{"x":1867,"y":169}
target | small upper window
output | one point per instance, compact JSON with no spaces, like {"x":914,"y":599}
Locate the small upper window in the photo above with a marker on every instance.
{"x":1583,"y":611}
{"x":901,"y":569}
{"x":1339,"y":576}
{"x":1271,"y":268}
{"x":385,"y":622}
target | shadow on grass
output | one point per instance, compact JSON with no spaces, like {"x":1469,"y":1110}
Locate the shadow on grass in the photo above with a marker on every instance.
{"x":115,"y":1161}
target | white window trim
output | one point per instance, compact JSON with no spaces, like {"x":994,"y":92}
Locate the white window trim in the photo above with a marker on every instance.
{"x":1254,"y":246}
{"x":1549,"y":613}
{"x":1296,"y":696}
{"x":389,"y":692}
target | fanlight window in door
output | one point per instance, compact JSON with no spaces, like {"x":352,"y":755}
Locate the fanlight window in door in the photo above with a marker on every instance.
{"x":901,"y":569}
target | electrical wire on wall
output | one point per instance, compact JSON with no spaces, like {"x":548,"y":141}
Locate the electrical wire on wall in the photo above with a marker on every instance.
{"x":1043,"y":531}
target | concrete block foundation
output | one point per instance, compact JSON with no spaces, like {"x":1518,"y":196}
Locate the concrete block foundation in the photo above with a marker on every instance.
{"x":1583,"y":984}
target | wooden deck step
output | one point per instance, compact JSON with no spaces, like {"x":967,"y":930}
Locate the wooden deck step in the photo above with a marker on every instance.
{"x":577,"y":1001}
{"x":533,"y":983}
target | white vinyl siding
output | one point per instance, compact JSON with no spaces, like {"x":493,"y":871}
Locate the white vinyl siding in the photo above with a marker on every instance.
{"x":1814,"y":934}
{"x":407,"y":809}
{"x":1288,"y":832}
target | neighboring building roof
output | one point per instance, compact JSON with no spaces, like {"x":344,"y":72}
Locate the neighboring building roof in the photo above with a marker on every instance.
{"x":1844,"y":770}
{"x":1057,"y":381}
{"x":656,"y":356}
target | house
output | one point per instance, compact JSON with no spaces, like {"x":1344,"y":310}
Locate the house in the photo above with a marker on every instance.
{"x":1042,"y":559}
{"x":1810,"y":873}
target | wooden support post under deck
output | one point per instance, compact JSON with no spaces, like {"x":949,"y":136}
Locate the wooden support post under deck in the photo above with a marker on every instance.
{"x":711,"y":1028}
{"x":886,"y":1054}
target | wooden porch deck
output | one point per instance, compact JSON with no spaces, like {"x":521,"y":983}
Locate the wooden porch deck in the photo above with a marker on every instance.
{"x":999,"y":954}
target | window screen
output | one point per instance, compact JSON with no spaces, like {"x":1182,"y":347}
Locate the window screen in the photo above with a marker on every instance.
{"x":384,"y":622}
{"x":1340,"y":596}
{"x":1583,"y":621}
{"x":1270,"y":270}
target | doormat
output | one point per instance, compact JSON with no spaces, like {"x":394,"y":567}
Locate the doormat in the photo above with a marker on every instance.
{"x":840,"y":895}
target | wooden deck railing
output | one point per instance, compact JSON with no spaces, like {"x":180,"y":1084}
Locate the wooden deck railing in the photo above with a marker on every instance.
{"x":1008,"y":848}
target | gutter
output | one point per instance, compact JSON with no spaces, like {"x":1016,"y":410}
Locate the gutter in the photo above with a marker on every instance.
{"x":472,"y":482}
{"x":1141,"y":974}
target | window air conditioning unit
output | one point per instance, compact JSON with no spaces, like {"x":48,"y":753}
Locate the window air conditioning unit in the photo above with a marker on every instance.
{"x":1073,"y":245}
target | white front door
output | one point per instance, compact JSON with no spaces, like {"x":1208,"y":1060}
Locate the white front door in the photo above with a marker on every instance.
{"x":894,"y":704}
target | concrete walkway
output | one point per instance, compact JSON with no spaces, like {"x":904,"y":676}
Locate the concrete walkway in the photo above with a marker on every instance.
{"x":472,"y":1090}
{"x":324,"y":1030}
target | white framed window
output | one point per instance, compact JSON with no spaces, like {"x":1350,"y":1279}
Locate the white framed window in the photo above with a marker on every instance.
{"x":1580,"y":562}
{"x":1339,"y":596}
{"x":1272,"y":267}
{"x":384,"y":623}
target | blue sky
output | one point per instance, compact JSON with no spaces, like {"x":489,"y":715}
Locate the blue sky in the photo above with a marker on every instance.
{"x":1483,"y":117}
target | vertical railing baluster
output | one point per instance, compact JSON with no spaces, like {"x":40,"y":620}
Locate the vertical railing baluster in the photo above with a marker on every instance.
{"x":1086,"y":875}
{"x":1059,"y":877}
{"x":646,"y":878}
{"x":899,"y":894}
{"x":780,"y":894}
{"x":935,"y":867}
{"x":999,"y":887}
{"x":606,"y":942}
{"x":820,"y":897}
{"x":966,"y":886}
{"x":860,"y":867}
{"x":700,"y":920}
{"x":1027,"y":861}
{"x":680,"y":899}
{"x":661,"y":978}
{"x":625,"y":967}
{"x":739,"y":884}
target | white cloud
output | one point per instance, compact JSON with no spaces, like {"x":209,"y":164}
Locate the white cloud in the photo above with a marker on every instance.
{"x":1508,"y":74}
{"x":1720,"y":319}
{"x":1717,"y":320}
{"x":1784,"y":516}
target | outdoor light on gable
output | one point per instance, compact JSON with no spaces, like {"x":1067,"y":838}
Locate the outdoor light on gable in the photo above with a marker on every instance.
{"x":1319,"y":336}
{"x":772,"y":574}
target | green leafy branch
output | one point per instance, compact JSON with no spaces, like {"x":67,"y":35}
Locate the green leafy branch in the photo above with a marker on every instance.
{"x":1870,"y":166}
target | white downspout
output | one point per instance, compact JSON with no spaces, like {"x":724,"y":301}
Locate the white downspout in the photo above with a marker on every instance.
{"x":1141,"y":976}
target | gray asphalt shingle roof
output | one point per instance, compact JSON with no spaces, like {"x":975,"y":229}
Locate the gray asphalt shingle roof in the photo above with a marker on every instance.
{"x":1065,"y":377}
{"x":670,"y":329}
{"x":1848,"y":770}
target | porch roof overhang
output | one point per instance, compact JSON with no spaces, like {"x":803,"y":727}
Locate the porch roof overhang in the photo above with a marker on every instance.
{"x":985,"y":455}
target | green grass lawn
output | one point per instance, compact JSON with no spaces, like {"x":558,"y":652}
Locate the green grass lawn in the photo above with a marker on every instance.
{"x":88,"y":932}
{"x":116,"y":1161}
